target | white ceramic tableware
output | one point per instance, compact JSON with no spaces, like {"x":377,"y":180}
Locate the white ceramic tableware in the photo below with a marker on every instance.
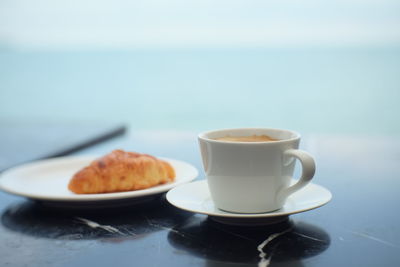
{"x":47,"y":181}
{"x":253,"y":177}
{"x":195,"y":197}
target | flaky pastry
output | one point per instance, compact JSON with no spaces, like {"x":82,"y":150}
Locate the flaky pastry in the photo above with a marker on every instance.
{"x":121,"y":171}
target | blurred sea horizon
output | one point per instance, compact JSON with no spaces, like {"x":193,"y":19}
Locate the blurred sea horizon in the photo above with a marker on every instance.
{"x":336,"y":89}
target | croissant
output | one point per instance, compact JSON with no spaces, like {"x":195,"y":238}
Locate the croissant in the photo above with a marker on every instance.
{"x":121,"y":171}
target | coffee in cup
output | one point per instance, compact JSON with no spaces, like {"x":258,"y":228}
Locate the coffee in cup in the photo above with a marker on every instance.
{"x":250,"y":138}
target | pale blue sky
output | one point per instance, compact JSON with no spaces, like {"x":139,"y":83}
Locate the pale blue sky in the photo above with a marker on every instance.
{"x":75,"y":24}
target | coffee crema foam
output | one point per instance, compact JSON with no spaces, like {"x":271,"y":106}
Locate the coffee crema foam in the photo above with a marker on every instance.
{"x":250,"y":138}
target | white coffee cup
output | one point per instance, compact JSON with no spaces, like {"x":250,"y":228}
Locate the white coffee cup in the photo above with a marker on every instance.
{"x":253,"y":177}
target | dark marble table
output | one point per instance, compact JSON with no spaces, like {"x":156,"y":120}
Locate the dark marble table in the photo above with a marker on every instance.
{"x":359,"y":227}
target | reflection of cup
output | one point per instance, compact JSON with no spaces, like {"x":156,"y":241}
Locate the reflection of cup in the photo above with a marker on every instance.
{"x":253,"y":177}
{"x":290,"y":242}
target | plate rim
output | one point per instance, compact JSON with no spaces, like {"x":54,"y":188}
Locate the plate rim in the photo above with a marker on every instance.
{"x":79,"y":198}
{"x":249,"y":215}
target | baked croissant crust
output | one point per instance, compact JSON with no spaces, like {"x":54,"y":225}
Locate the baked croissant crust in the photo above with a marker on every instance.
{"x":121,"y":171}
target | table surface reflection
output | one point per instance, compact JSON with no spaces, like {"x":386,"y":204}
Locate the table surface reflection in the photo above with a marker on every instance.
{"x":359,"y":227}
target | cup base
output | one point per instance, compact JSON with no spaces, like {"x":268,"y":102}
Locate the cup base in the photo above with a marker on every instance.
{"x":249,"y":221}
{"x":251,"y":212}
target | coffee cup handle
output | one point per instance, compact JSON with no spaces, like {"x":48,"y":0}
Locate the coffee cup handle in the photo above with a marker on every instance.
{"x":308,"y":171}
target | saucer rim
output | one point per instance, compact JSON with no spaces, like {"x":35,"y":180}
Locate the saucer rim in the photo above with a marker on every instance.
{"x":221,"y":213}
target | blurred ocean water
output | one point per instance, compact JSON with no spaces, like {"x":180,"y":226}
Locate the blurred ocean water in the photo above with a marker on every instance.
{"x":312,"y":66}
{"x":339,"y":90}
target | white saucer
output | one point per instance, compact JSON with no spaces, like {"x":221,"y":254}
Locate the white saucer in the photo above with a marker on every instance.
{"x":47,"y":181}
{"x":195,"y":197}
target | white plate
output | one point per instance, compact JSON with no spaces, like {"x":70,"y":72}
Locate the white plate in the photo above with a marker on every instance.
{"x":195,"y":197}
{"x":47,"y":180}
